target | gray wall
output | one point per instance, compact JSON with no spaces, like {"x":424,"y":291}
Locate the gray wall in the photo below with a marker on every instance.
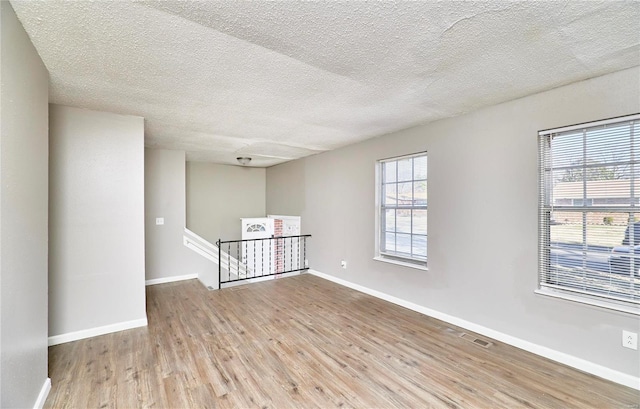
{"x":96,"y":262}
{"x":23,"y":216}
{"x":219,"y":195}
{"x":483,"y":218}
{"x":164,"y":196}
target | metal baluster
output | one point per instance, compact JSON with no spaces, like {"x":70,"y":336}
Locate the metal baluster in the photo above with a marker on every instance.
{"x":219,"y":265}
{"x":262,"y":257}
{"x":254,"y":258}
{"x":298,"y":260}
{"x":229,"y":258}
{"x":238,"y":258}
{"x":280,"y":258}
{"x":304,"y":252}
{"x":270,"y":262}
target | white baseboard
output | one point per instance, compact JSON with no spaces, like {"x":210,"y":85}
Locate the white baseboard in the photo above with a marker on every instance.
{"x":561,"y":357}
{"x":163,"y":280}
{"x":94,"y":332}
{"x":44,"y":392}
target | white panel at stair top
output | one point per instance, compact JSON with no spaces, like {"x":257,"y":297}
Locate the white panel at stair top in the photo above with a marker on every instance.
{"x":257,"y":228}
{"x":291,"y":225}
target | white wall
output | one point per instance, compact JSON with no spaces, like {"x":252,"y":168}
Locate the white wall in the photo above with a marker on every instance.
{"x":219,"y":195}
{"x":165,"y":254}
{"x":483,"y":218}
{"x":23,"y":216}
{"x":96,"y":214}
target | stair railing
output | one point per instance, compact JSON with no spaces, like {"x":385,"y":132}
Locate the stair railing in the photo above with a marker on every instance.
{"x":257,"y":258}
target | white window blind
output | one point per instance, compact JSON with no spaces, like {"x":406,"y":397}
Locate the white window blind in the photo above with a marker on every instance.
{"x":402,"y":208}
{"x":589,"y":206}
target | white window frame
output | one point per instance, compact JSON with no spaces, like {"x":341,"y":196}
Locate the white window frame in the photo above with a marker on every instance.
{"x":545,"y":207}
{"x":380,"y":253}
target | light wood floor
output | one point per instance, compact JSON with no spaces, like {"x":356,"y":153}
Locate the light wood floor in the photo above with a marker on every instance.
{"x":306,"y":342}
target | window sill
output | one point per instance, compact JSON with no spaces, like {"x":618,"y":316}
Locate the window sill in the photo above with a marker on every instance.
{"x":401,"y":263}
{"x":589,"y":301}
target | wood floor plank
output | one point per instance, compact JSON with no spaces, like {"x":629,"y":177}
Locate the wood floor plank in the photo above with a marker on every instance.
{"x":303,"y":342}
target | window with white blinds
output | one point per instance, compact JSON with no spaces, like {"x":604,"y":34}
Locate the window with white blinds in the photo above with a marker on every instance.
{"x":402,"y":209}
{"x":589,"y":206}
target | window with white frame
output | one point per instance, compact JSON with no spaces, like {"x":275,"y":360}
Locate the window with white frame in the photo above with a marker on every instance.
{"x":402,"y":209}
{"x":589,"y":222}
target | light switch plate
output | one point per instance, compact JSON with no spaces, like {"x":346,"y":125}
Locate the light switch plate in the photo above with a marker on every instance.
{"x":159,"y":220}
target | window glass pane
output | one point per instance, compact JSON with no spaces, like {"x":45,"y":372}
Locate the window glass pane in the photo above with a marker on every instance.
{"x":419,"y":221}
{"x":390,"y":220}
{"x":566,"y":228}
{"x":420,"y":193}
{"x":563,"y":202}
{"x":602,"y":189}
{"x":604,"y":265}
{"x":405,"y":196}
{"x":420,"y":246}
{"x":570,"y":175}
{"x":582,"y":202}
{"x":403,"y":243}
{"x":625,"y":255}
{"x":559,"y":187}
{"x":607,"y":183}
{"x":594,"y":172}
{"x":604,"y":237}
{"x":566,"y":149}
{"x":403,"y":221}
{"x":632,"y":236}
{"x":405,"y":171}
{"x":609,"y":144}
{"x":607,"y":175}
{"x":564,"y":193}
{"x":389,"y":197}
{"x":420,"y":167}
{"x":389,"y":242}
{"x":389,"y":172}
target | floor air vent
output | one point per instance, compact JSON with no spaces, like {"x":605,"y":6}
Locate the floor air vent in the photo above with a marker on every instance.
{"x":477,"y":341}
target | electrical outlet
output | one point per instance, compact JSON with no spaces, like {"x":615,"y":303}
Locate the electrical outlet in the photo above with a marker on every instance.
{"x":306,"y":263}
{"x":630,"y":340}
{"x":159,"y":221}
{"x":343,"y":264}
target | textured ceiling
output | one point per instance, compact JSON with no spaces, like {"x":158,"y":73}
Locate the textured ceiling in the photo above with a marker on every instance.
{"x":282,"y":80}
